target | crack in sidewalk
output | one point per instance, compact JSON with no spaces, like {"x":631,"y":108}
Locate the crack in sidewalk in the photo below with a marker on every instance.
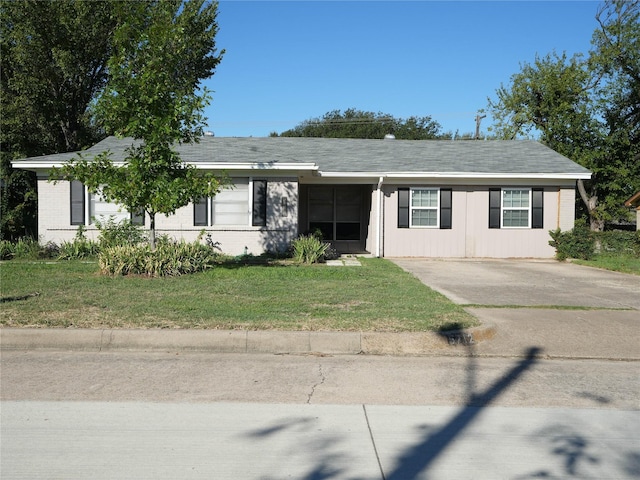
{"x":316,"y":385}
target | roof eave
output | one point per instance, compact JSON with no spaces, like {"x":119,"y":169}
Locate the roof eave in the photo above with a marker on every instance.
{"x":40,"y":165}
{"x":458,"y":175}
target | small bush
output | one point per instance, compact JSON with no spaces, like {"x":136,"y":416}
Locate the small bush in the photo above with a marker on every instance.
{"x":114,"y":233}
{"x":619,"y":241}
{"x":7,"y":250}
{"x":169,"y":259}
{"x":27,"y":249}
{"x":576,"y":243}
{"x":309,"y":249}
{"x":80,"y":248}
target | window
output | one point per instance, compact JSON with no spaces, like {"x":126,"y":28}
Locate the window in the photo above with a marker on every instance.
{"x":86,"y":208}
{"x":102,"y":211}
{"x":424,"y":207}
{"x":516,"y":208}
{"x":137,"y":218}
{"x":231,"y":205}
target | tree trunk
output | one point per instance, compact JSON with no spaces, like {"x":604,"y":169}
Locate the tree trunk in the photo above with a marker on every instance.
{"x":152,"y":231}
{"x":591,"y":202}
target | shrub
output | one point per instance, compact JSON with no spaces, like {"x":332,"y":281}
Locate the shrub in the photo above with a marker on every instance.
{"x":619,"y":241}
{"x":169,"y":259}
{"x":27,"y":249}
{"x":114,"y":233}
{"x":309,"y":249}
{"x":80,"y":248}
{"x":576,"y":243}
{"x":7,"y":250}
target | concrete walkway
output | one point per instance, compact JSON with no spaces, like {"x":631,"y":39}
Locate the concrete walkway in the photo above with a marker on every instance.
{"x":566,"y":310}
{"x":137,"y":440}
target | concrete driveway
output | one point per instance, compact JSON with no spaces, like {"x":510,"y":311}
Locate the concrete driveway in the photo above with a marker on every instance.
{"x":525,"y":283}
{"x":488,"y":288}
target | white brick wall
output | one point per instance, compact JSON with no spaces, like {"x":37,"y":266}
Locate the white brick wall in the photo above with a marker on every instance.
{"x":54,"y":220}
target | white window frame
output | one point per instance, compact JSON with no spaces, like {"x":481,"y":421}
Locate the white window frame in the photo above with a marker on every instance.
{"x":504,"y":209}
{"x":436,"y":208}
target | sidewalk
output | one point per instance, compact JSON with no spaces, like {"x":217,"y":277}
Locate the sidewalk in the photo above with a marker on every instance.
{"x":136,"y":440}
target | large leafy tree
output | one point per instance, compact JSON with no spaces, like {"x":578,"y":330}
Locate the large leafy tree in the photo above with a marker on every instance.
{"x":52,"y":65}
{"x":587,"y":109}
{"x":162,"y":51}
{"x":354,"y":123}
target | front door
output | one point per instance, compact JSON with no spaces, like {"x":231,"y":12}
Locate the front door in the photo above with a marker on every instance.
{"x":337,"y":212}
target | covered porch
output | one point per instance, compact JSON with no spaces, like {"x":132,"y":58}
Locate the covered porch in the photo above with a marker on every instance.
{"x":341,"y":212}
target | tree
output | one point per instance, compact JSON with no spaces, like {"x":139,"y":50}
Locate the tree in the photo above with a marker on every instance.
{"x":360,"y":124}
{"x":586,"y":109}
{"x":162,"y":51}
{"x":53,"y":59}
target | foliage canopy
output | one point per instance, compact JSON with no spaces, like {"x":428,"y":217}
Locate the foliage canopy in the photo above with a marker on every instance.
{"x":161,"y":52}
{"x":354,"y":123}
{"x":587,"y":109}
{"x":53,"y":58}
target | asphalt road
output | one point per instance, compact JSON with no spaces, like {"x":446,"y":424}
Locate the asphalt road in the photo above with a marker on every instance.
{"x":136,"y":415}
{"x":352,"y":379}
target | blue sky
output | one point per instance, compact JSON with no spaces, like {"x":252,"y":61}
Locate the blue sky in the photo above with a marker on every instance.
{"x":289,"y":61}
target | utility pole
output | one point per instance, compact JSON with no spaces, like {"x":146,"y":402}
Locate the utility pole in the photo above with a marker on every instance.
{"x":478,"y":120}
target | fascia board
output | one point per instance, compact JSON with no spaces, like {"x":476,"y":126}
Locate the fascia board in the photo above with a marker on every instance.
{"x":254,"y":166}
{"x":38,"y":165}
{"x":458,"y":175}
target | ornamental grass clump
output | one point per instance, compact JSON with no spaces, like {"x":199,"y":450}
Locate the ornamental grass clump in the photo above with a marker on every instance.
{"x":169,"y":259}
{"x":309,"y":249}
{"x":80,"y":248}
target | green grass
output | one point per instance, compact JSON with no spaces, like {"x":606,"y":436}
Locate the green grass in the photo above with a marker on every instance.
{"x":616,"y":262}
{"x":379,"y":296}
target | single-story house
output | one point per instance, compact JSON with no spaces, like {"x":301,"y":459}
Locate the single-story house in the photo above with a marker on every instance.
{"x":634,"y":201}
{"x":394,"y":198}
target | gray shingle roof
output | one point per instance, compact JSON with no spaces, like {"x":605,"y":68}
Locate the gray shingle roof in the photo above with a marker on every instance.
{"x":360,"y":156}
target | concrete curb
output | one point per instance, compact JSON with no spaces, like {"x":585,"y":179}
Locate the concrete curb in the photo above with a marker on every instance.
{"x":243,"y":341}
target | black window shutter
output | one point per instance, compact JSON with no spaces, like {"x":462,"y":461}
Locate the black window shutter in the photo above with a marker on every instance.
{"x":77,"y":203}
{"x":537,"y":211}
{"x":259,"y":203}
{"x":403,"y":208}
{"x":201,"y":212}
{"x":445,"y":208}
{"x":494,"y":207}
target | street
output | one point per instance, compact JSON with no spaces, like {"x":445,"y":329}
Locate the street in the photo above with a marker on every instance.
{"x":236,"y":416}
{"x":347,"y":379}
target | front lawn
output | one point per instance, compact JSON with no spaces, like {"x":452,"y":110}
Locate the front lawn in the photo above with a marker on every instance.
{"x":379,"y":296}
{"x":617,"y":262}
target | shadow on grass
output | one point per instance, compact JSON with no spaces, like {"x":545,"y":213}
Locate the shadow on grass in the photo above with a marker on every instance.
{"x":264,"y":260}
{"x":19,"y":297}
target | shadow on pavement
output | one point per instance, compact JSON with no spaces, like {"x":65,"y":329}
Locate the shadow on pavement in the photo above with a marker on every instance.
{"x":417,"y":459}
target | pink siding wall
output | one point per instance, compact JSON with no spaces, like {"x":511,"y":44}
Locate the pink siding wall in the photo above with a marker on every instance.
{"x":470,"y":235}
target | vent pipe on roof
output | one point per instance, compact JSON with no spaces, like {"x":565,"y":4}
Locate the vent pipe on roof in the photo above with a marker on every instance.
{"x":389,"y":136}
